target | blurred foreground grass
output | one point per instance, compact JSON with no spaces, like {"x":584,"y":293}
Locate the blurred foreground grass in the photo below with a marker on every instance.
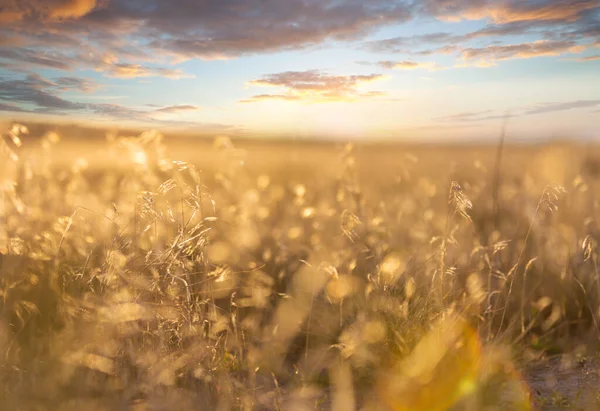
{"x":296,"y":278}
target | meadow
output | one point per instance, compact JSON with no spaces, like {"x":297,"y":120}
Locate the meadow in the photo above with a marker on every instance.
{"x":146,"y":273}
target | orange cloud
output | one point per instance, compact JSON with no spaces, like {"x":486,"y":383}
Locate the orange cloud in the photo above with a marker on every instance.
{"x":488,"y":56}
{"x":315,"y":86}
{"x":67,"y":9}
{"x":15,"y":11}
{"x":128,"y":70}
{"x":10,"y":16}
{"x":503,"y":12}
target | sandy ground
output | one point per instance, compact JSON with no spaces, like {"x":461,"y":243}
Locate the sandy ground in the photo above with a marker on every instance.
{"x":561,"y":383}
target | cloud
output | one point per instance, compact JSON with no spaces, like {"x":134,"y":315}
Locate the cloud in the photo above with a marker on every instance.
{"x":118,"y":111}
{"x":17,"y":10}
{"x":314,"y":80}
{"x":376,"y":93}
{"x":17,"y":59}
{"x":32,"y":58}
{"x":509,"y":11}
{"x":403,"y":44}
{"x":239,"y":27}
{"x":450,"y":49}
{"x":39,"y":92}
{"x":80,"y":84}
{"x":586,"y":58}
{"x":488,"y":56}
{"x":127,"y":70}
{"x":10,"y":107}
{"x":315,"y":86}
{"x":184,"y":29}
{"x":450,"y":43}
{"x":540,"y":108}
{"x":560,"y":106}
{"x":123,"y":114}
{"x":552,"y":21}
{"x":482,"y":56}
{"x":177,"y":109}
{"x":266,"y":97}
{"x":468,"y":116}
{"x":66,"y":9}
{"x":408,"y":65}
{"x":35,"y":94}
{"x":146,"y":38}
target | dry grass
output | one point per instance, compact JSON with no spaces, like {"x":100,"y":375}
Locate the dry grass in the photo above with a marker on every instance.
{"x":381,"y":280}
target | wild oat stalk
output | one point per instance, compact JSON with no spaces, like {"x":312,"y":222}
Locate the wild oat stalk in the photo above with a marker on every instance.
{"x":549,"y":199}
{"x":590,"y":253}
{"x":458,"y":203}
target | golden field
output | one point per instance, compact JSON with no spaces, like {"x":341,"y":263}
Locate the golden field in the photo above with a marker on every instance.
{"x":150,"y":273}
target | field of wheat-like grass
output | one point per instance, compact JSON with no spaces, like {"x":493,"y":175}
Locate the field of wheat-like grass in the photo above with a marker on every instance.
{"x":282,"y":277}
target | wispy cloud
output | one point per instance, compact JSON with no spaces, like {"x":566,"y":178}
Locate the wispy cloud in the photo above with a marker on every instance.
{"x":404,"y":44}
{"x":557,"y":27}
{"x":267,"y":97}
{"x":315,"y":86}
{"x":12,"y":108}
{"x":408,"y":65}
{"x":39,"y":93}
{"x":177,"y":109}
{"x":444,"y":50}
{"x":479,"y":56}
{"x":468,"y":116}
{"x":83,"y":85}
{"x":25,"y":58}
{"x":560,"y":106}
{"x":540,"y":108}
{"x":118,"y":111}
{"x":488,"y":56}
{"x":17,"y":59}
{"x":586,"y":58}
{"x":34,"y":93}
{"x":448,"y":43}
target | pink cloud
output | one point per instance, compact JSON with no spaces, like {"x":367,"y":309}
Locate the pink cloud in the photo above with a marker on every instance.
{"x":315,"y":86}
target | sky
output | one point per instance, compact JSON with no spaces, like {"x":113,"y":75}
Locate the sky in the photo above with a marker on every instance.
{"x":359,"y":69}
